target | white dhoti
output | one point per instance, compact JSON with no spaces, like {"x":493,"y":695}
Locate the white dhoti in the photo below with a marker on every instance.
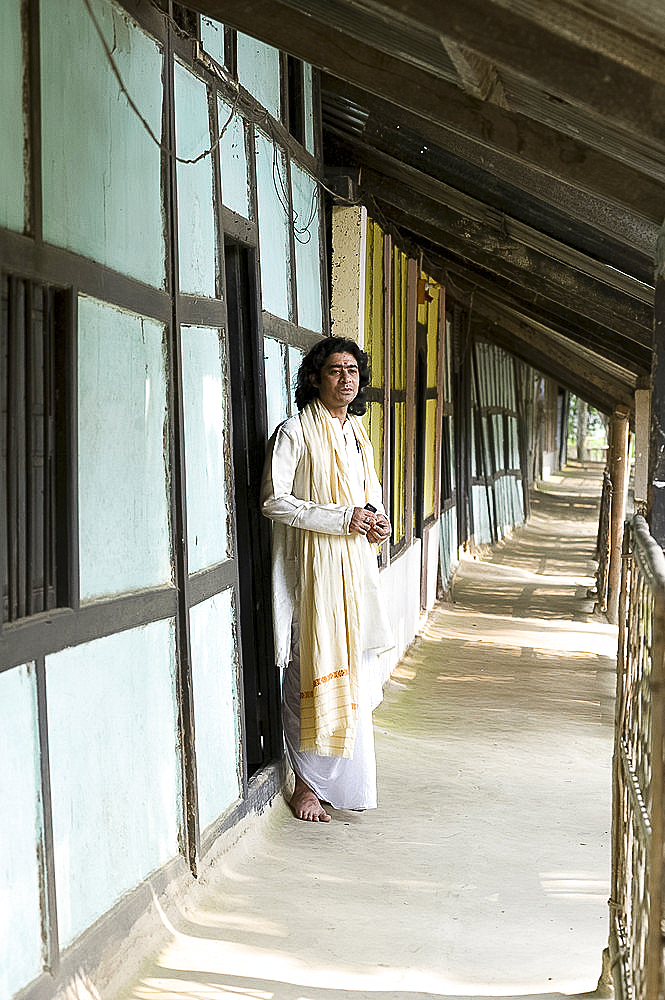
{"x":317,"y":472}
{"x":344,"y":782}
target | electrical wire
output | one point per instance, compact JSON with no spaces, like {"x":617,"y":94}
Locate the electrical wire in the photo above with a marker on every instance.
{"x":241,"y":107}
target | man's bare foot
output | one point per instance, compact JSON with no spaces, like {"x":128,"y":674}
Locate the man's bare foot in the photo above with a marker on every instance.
{"x":306,"y":805}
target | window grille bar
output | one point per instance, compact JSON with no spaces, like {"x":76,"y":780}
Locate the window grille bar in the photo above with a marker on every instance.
{"x":28,"y":354}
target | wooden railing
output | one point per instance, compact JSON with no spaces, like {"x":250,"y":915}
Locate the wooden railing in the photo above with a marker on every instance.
{"x":636,"y":925}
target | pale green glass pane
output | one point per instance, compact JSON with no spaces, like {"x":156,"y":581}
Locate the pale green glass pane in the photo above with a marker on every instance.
{"x":235,"y":189}
{"x":307,"y":244}
{"x":309,"y":108}
{"x":122,"y":419}
{"x":481,"y":524}
{"x":20,"y":831}
{"x":101,"y":170}
{"x":115,"y":779}
{"x":12,"y":127}
{"x":277,"y":390}
{"x":497,"y":423}
{"x":206,"y":447}
{"x":451,"y":446}
{"x":212,"y":39}
{"x":272,"y":190}
{"x":196,"y":222}
{"x":258,"y":71}
{"x":216,"y":724}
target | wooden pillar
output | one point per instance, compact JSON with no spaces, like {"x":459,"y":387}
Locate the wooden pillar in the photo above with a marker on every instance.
{"x":642,"y":419}
{"x":656,"y":499}
{"x":618,"y":469}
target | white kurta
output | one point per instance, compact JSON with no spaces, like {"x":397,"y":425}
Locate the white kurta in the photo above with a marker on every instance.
{"x":346,"y":783}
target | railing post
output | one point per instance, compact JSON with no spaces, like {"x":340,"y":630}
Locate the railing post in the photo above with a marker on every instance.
{"x":654,"y":971}
{"x":618,"y":944}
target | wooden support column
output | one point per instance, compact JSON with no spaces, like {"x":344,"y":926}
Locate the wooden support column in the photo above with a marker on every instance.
{"x":411,"y":353}
{"x":642,"y":419}
{"x":618,"y":469}
{"x":656,"y":500}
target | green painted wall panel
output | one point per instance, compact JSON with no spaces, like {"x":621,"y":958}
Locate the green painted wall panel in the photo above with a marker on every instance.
{"x":12,"y":128}
{"x":196,"y":221}
{"x":206,"y":443}
{"x":214,"y":679}
{"x":20,"y":831}
{"x":101,"y":170}
{"x":116,"y":778}
{"x":122,"y":420}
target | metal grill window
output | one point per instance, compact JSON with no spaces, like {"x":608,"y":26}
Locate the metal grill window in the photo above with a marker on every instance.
{"x":33,"y":342}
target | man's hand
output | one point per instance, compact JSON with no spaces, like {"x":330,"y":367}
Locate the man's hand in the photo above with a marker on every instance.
{"x":380,"y":531}
{"x":362,"y":521}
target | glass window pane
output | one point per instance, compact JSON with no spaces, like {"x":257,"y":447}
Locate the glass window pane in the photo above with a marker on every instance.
{"x":215,"y":685}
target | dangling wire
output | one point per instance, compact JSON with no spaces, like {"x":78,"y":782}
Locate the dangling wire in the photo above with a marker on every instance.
{"x":137,"y":111}
{"x":302,"y":233}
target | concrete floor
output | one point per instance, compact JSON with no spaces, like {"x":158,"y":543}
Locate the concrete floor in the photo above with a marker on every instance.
{"x":485,"y":870}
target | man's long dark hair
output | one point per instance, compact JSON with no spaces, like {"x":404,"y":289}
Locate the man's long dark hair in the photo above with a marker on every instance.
{"x":314,"y":361}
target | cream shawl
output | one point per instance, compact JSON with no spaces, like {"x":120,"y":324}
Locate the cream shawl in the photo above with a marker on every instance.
{"x":332,"y":568}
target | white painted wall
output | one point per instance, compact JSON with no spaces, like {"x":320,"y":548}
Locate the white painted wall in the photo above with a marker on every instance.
{"x":401,"y":587}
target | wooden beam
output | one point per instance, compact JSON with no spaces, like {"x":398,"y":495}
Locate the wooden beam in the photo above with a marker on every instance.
{"x":439,"y":101}
{"x":526,"y":302}
{"x":506,"y":258}
{"x":473,"y":213}
{"x":628,"y":33}
{"x":589,"y":186}
{"x":629,"y":94}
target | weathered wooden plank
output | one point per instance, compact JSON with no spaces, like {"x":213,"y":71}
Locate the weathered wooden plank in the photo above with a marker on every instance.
{"x":578,"y":181}
{"x":622,"y":352}
{"x":507,"y":259}
{"x":629,"y":93}
{"x":437,"y":100}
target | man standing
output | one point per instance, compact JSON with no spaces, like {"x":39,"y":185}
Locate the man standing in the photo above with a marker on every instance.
{"x":321,"y":490}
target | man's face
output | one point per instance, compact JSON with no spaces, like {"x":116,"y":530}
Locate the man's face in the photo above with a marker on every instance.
{"x":339,"y":381}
